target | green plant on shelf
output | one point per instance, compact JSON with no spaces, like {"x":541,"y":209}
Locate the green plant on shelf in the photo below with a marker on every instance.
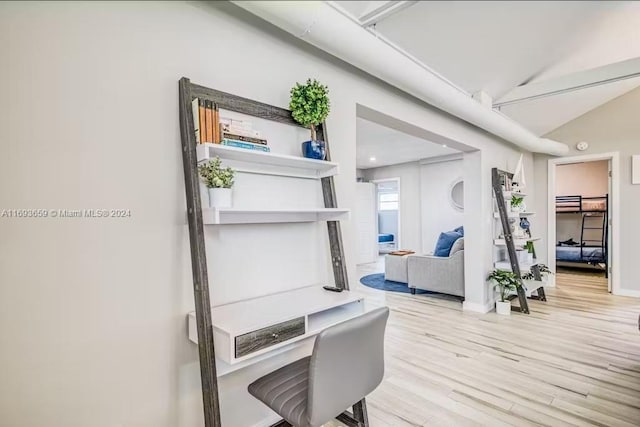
{"x":543,"y":271}
{"x":215,"y":176}
{"x":309,"y":104}
{"x":516,"y":201}
{"x":505,"y":282}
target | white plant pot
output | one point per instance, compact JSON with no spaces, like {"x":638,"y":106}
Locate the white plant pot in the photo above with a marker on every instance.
{"x":503,"y":308}
{"x":220,"y":198}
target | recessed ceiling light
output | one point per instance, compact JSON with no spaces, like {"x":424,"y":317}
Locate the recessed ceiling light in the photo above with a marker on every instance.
{"x":444,"y":145}
{"x":372,"y":159}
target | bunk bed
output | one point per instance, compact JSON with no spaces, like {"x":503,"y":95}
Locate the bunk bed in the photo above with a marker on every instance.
{"x":592,"y":247}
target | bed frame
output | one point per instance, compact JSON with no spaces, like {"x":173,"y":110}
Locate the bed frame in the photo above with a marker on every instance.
{"x":594,"y":213}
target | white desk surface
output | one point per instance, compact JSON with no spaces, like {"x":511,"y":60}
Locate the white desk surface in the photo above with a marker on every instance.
{"x":256,"y":313}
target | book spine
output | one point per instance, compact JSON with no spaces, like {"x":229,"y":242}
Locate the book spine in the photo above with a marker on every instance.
{"x":209,"y":120}
{"x":216,"y":124}
{"x":246,"y":145}
{"x":195,"y":111}
{"x":203,"y":122}
{"x":228,"y":135}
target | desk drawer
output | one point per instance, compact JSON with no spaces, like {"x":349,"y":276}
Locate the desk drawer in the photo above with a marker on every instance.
{"x":266,"y":337}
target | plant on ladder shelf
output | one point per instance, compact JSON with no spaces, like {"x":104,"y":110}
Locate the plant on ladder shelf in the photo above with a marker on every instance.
{"x":310,"y":106}
{"x":505,"y":282}
{"x":219,"y":181}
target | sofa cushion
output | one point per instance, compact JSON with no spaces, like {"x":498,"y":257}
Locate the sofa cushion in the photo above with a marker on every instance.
{"x":457,"y":246}
{"x":459,"y":230}
{"x":445,"y":242}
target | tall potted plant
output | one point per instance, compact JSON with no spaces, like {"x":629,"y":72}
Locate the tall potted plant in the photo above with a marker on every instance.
{"x":505,"y":282}
{"x":219,"y":181}
{"x":310,"y":106}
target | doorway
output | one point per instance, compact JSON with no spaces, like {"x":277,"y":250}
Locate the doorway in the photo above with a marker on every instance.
{"x":388,"y":214}
{"x":583,"y":217}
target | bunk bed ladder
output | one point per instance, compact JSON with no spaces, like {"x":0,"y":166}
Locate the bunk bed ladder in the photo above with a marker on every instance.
{"x":499,"y":177}
{"x":208,"y":376}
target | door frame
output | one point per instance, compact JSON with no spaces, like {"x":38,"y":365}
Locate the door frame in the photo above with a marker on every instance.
{"x":614,"y":212}
{"x":376,"y":182}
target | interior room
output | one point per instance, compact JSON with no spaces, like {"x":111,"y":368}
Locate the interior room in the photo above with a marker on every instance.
{"x":582,"y":218}
{"x":319,"y":214}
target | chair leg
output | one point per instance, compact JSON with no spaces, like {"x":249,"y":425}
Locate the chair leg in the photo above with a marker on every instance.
{"x":360,"y":412}
{"x":413,"y":291}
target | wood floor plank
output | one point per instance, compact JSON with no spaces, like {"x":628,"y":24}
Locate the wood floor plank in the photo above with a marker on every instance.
{"x":574,"y":361}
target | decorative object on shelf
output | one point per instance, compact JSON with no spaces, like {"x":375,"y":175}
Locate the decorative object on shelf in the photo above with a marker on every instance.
{"x":530,"y":251}
{"x":525,"y":225}
{"x":219,"y":181}
{"x":517,"y":204}
{"x":310,"y":106}
{"x":505,"y":282}
{"x":518,"y":182}
{"x":582,"y":145}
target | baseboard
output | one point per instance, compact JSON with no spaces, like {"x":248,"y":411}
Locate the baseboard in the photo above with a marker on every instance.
{"x":627,"y":293}
{"x":478,"y":308}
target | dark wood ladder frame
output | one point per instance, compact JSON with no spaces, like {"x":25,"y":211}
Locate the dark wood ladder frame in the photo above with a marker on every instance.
{"x":498,"y":177}
{"x":187,"y":92}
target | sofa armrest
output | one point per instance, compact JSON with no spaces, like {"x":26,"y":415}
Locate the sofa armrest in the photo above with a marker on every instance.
{"x":437,"y":274}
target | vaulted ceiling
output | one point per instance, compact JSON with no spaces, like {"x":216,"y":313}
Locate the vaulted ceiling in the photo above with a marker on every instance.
{"x":519,"y":52}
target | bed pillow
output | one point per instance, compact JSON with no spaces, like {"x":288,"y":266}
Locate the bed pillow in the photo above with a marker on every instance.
{"x":445,"y":242}
{"x":459,"y":230}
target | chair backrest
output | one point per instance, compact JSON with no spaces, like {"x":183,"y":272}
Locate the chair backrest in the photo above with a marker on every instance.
{"x":346,"y":365}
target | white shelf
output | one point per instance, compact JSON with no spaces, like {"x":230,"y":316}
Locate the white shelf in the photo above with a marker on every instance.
{"x":506,"y":265}
{"x":260,"y":162}
{"x":514,"y":214}
{"x":216,"y":216}
{"x":516,"y":242}
{"x":508,"y":194}
{"x":320,"y":308}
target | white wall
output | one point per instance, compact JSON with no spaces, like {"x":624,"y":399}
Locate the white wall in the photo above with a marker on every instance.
{"x":93,"y":312}
{"x":438,"y":214}
{"x":588,"y":179}
{"x":409,"y":174}
{"x":611,"y":127}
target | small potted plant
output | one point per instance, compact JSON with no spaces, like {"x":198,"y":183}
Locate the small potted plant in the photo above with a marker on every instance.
{"x":529,"y":278}
{"x":505,"y":282}
{"x":517,"y":203}
{"x":310,"y":106}
{"x":219,"y":181}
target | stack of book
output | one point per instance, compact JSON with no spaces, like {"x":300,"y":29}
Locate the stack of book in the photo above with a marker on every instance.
{"x":211,"y":128}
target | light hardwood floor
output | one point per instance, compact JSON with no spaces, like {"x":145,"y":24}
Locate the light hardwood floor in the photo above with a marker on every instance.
{"x":575,"y":360}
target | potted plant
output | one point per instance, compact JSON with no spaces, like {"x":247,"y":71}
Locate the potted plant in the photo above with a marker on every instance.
{"x":505,"y":282}
{"x":310,"y":106}
{"x":219,"y":181}
{"x":529,"y":278}
{"x":517,"y":203}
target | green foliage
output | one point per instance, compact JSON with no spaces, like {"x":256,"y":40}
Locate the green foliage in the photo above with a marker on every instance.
{"x":516,"y":201}
{"x":543,"y":270}
{"x":505,"y":282}
{"x":309,"y":104}
{"x":215,"y":176}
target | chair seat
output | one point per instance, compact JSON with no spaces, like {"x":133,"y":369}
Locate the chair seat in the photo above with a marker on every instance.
{"x":286,"y":391}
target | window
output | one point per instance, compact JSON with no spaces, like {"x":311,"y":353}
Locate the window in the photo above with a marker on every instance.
{"x":388,"y":201}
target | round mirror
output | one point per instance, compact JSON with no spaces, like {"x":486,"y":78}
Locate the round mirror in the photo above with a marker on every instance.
{"x":456,"y":195}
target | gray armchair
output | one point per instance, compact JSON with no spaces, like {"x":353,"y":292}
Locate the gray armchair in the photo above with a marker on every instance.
{"x":438,"y":274}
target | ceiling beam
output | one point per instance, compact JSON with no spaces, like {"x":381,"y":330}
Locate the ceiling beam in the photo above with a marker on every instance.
{"x":571,"y":82}
{"x":383,"y":10}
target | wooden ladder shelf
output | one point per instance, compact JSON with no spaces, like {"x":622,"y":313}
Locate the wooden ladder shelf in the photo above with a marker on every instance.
{"x":498,"y":179}
{"x":187,"y":92}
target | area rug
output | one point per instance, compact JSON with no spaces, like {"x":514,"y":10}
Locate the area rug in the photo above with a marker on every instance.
{"x":376,"y":281}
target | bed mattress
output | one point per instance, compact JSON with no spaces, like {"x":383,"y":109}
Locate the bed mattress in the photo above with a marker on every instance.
{"x":385,"y":238}
{"x":572,"y":253}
